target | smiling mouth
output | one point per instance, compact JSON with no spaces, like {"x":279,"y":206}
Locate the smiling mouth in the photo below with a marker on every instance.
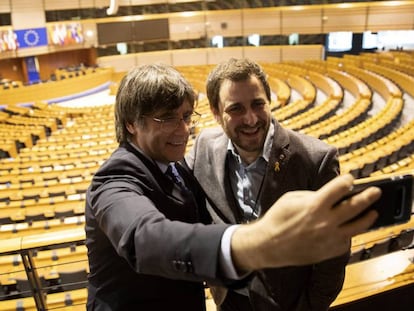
{"x":250,"y":131}
{"x":177,"y":143}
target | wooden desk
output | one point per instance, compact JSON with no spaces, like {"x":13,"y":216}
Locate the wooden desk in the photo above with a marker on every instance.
{"x":377,"y":276}
{"x":368,"y":239}
{"x":10,"y":245}
{"x":47,"y":239}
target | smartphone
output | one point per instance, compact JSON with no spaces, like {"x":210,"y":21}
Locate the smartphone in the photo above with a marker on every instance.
{"x":395,"y":204}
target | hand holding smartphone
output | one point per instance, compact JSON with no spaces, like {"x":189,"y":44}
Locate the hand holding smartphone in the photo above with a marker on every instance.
{"x":395,"y":204}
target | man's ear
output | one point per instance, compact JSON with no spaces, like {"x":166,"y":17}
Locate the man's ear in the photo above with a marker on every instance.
{"x":217,"y":117}
{"x":131,"y":128}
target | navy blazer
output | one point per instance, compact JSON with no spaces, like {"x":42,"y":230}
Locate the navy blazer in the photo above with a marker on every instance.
{"x":297,"y":162}
{"x":144,"y":250}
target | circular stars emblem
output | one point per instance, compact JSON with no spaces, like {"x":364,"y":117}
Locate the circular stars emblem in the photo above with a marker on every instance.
{"x":31,"y":37}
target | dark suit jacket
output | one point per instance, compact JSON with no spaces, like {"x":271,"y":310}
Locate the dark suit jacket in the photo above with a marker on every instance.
{"x":144,"y":250}
{"x":296,"y":162}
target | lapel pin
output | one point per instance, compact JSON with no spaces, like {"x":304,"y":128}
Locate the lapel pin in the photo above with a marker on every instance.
{"x":276,"y":167}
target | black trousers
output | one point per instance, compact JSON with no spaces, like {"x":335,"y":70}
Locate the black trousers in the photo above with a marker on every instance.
{"x":235,"y":302}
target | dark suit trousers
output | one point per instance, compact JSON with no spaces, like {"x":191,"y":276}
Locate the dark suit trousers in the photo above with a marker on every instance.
{"x":235,"y":302}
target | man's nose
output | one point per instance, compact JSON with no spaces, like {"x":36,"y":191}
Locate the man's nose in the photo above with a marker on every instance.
{"x":250,"y":117}
{"x":183,"y":126}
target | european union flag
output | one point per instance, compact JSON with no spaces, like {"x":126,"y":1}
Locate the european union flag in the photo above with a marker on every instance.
{"x":28,"y":38}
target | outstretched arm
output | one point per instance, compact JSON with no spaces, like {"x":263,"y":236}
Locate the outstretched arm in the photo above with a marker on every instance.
{"x":304,"y":227}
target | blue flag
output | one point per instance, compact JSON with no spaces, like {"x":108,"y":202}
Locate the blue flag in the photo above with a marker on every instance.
{"x":28,"y":38}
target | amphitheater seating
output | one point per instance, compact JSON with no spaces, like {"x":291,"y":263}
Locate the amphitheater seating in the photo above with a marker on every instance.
{"x":382,"y":152}
{"x":55,"y":89}
{"x":295,"y":78}
{"x":367,"y":131}
{"x":403,"y":80}
{"x":403,"y":165}
{"x":49,"y":221}
{"x":340,"y":122}
{"x":306,"y":90}
{"x":56,"y":267}
{"x":312,"y":116}
{"x":69,"y":301}
{"x":375,"y":243}
{"x":38,"y":191}
{"x":43,"y":183}
{"x":282,"y":91}
{"x":15,"y":136}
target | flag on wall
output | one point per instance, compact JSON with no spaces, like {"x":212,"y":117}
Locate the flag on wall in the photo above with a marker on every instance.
{"x":8,"y":40}
{"x":65,"y":33}
{"x":32,"y":66}
{"x":33,"y":37}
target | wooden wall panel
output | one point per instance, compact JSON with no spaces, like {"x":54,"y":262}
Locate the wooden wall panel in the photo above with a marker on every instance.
{"x":187,"y":57}
{"x":344,"y":18}
{"x":27,"y":14}
{"x":184,"y":26}
{"x":301,"y":52}
{"x":266,"y":54}
{"x":12,"y":69}
{"x":121,"y":62}
{"x":300,"y":20}
{"x":262,"y":21}
{"x":218,"y":55}
{"x":5,"y":7}
{"x":399,"y":17}
{"x":75,"y":4}
{"x":50,"y":5}
{"x":48,"y":63}
{"x":224,"y":23}
{"x":154,"y":57}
